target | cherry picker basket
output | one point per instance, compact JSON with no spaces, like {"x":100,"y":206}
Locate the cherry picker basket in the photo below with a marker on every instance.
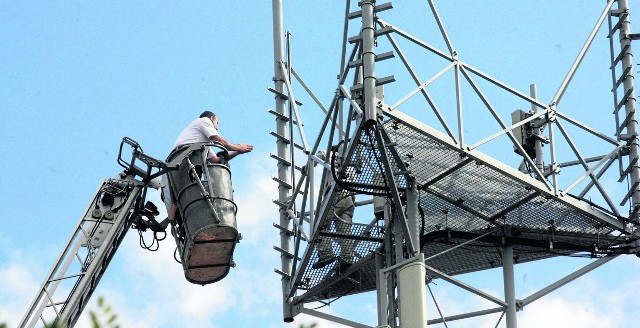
{"x":205,"y":224}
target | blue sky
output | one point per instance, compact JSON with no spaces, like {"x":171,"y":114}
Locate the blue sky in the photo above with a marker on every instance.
{"x":76,"y":77}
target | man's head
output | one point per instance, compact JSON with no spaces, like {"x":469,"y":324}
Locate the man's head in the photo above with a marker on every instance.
{"x":207,"y":113}
{"x":211,"y":116}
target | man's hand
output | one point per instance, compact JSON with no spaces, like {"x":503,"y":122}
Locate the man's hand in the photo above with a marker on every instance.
{"x":244,"y":148}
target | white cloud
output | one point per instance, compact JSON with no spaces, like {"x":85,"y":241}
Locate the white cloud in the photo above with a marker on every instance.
{"x":20,"y":278}
{"x":554,"y":312}
{"x":18,"y":282}
{"x":22,"y":271}
{"x":256,"y":211}
{"x":307,"y":320}
{"x":593,"y":300}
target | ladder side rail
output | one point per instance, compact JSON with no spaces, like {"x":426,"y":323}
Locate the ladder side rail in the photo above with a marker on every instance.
{"x":85,"y":287}
{"x":39,"y":302}
{"x":284,"y":173}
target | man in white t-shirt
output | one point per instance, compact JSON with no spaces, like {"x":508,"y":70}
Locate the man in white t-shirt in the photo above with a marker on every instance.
{"x":203,"y":129}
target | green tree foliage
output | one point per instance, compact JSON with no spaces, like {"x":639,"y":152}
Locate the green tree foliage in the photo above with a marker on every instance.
{"x":104,"y":318}
{"x":55,"y":324}
{"x":313,"y":325}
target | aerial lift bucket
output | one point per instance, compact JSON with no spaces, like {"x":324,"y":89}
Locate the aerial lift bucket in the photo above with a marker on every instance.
{"x":205,"y":225}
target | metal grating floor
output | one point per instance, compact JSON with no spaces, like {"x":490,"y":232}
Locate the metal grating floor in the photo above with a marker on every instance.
{"x":462,"y":196}
{"x":330,"y":281}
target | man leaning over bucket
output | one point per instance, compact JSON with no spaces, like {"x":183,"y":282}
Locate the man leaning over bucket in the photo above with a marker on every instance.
{"x":202,"y":129}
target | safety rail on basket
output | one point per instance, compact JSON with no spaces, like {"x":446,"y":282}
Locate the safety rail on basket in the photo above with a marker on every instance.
{"x":223,"y":154}
{"x":174,"y":160}
{"x":137,"y":154}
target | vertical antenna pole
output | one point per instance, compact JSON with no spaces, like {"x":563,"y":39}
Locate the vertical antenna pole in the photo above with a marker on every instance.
{"x":368,"y":62}
{"x":283,"y":152}
{"x":537,"y":130}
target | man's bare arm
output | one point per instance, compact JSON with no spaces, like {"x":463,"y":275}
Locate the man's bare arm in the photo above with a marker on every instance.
{"x":241,"y":148}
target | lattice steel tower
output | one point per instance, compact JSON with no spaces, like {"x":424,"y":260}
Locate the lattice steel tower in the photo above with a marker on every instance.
{"x":431,"y":199}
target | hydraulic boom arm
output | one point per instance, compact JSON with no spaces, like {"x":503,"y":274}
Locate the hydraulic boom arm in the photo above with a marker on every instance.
{"x":117,"y":204}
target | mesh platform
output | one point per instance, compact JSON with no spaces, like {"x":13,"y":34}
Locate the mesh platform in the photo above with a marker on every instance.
{"x":365,"y":159}
{"x":339,"y":278}
{"x":465,"y":200}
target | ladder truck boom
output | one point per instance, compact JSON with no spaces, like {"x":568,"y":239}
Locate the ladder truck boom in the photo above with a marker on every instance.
{"x":117,"y":205}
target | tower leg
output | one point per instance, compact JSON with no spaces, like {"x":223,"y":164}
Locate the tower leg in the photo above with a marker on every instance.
{"x":412,"y":294}
{"x":381,"y":287}
{"x":509,"y":285}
